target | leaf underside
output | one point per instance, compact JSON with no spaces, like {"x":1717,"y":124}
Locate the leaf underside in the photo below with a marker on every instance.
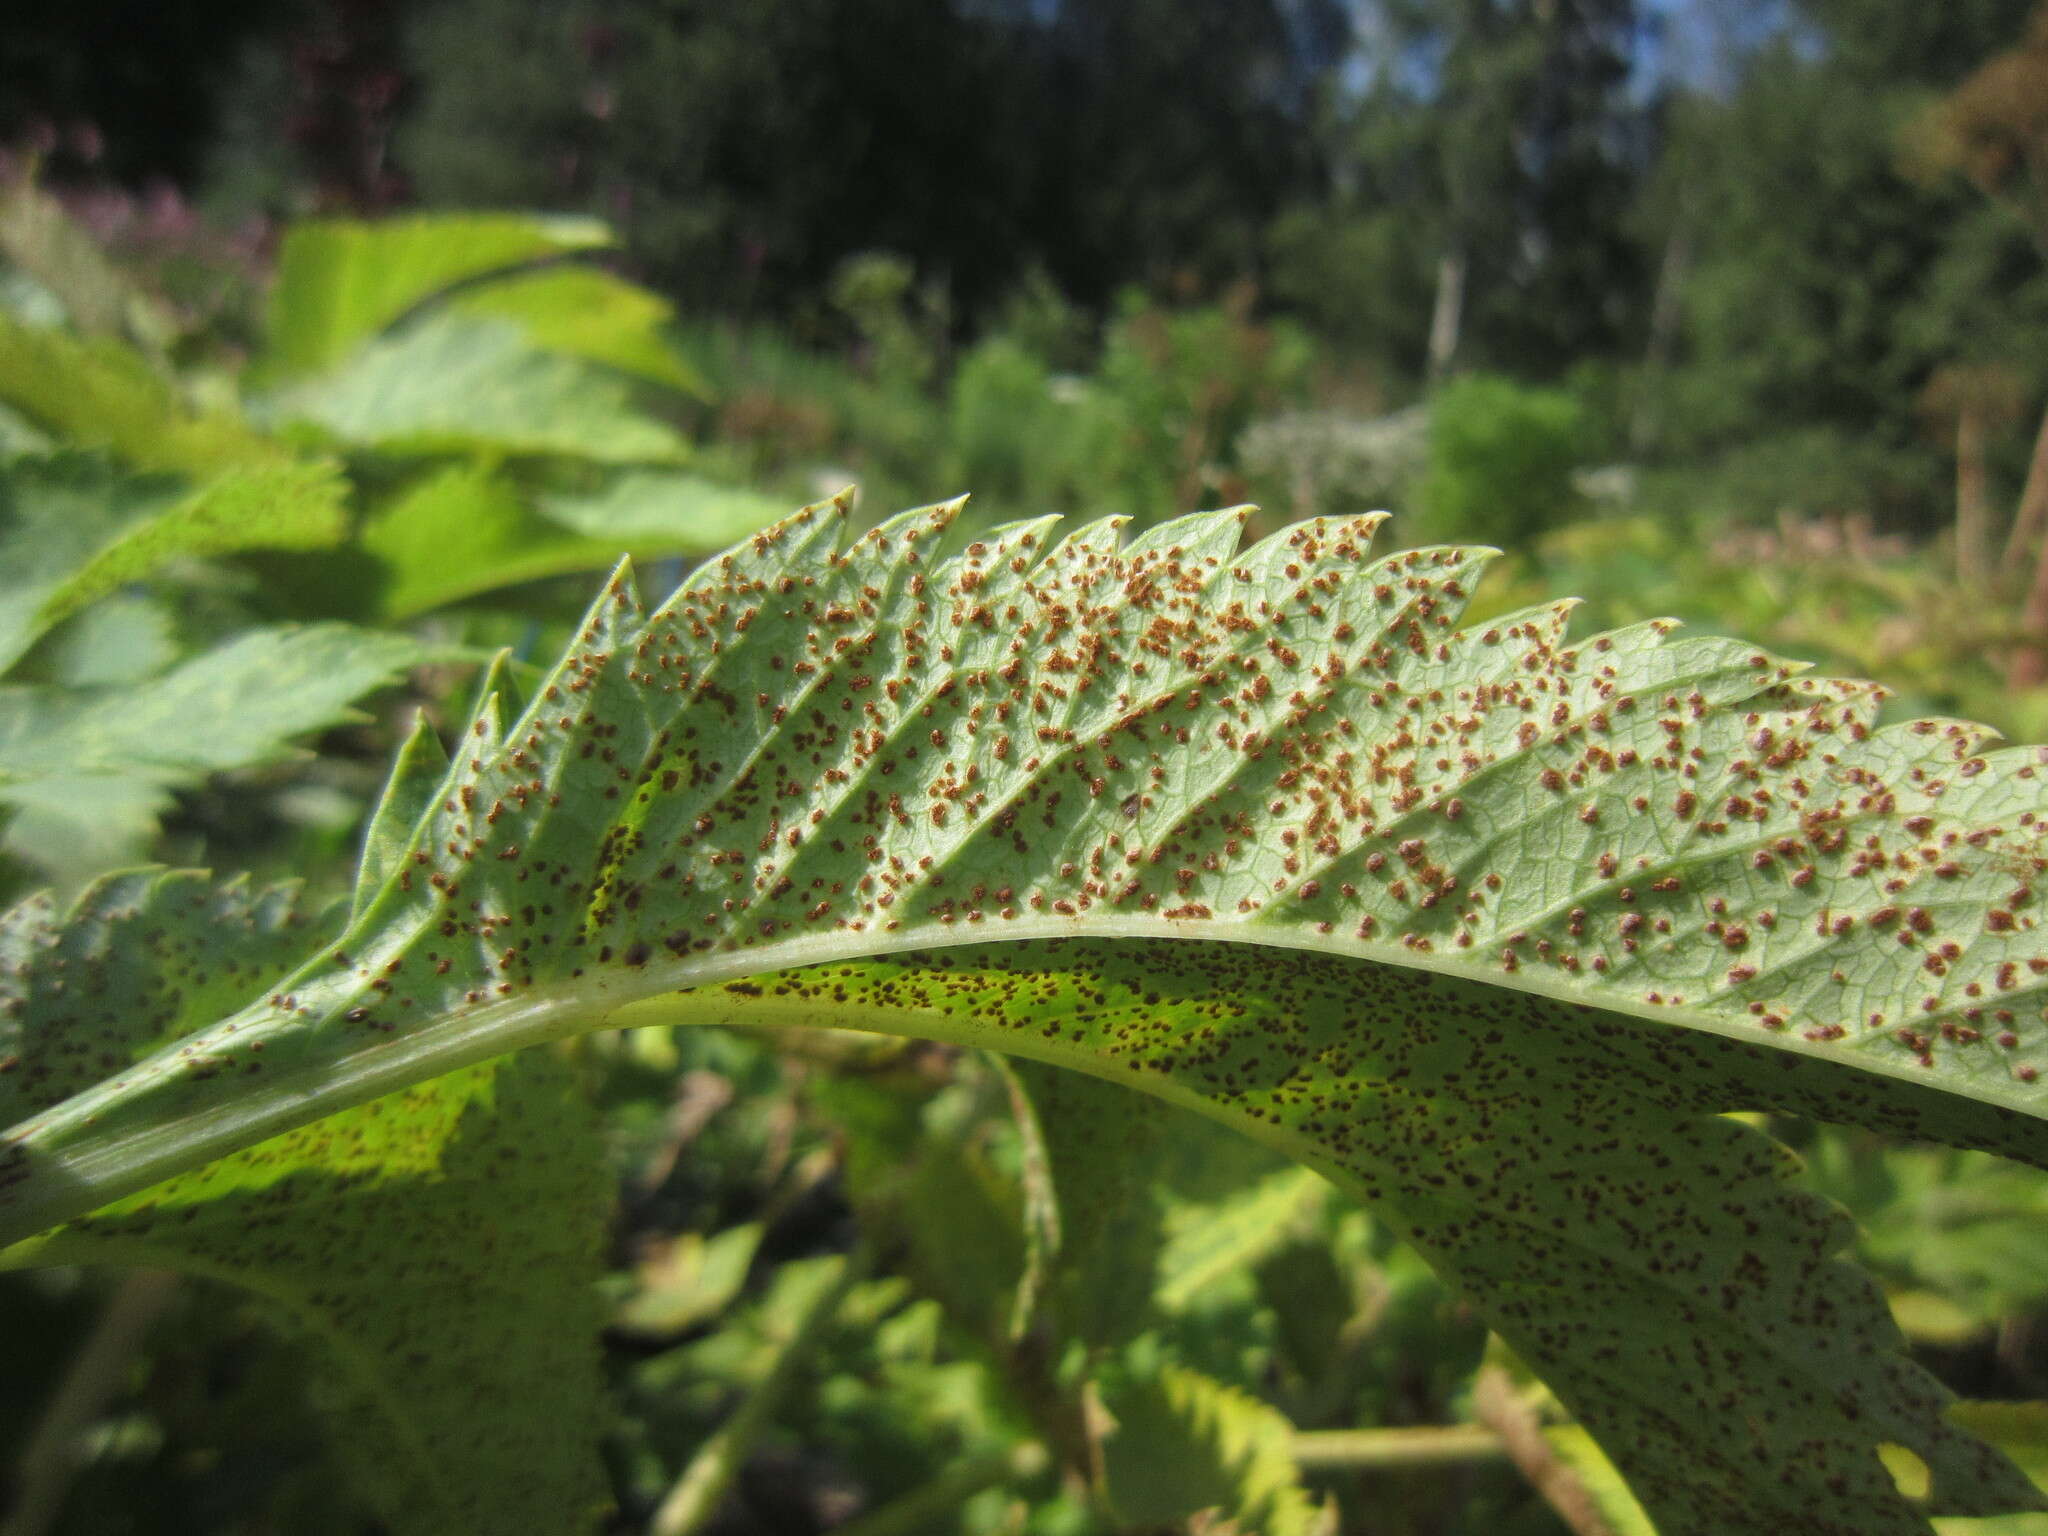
{"x":1481,"y":921}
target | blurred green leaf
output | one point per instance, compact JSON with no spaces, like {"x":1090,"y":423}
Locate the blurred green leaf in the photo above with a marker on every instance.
{"x":87,"y":770}
{"x":1185,"y":1442}
{"x":1208,"y":1239}
{"x":341,"y":282}
{"x":688,"y":1280}
{"x":1098,"y":1152}
{"x":590,"y":314}
{"x":464,"y":530}
{"x":100,"y":394}
{"x":448,"y":384}
{"x":77,"y":533}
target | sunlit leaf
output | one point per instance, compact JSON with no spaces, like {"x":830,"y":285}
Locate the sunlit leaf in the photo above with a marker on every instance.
{"x":87,"y":770}
{"x":1487,"y":925}
{"x":590,"y":314}
{"x":100,"y":394}
{"x":341,"y":282}
{"x":465,"y":530}
{"x":453,"y":385}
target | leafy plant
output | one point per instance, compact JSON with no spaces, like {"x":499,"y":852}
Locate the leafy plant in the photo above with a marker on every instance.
{"x":1501,"y":457}
{"x":1486,"y":925}
{"x":441,"y":408}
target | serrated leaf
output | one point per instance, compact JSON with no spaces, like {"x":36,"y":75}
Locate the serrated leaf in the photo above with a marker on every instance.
{"x":465,"y":530}
{"x":285,"y":505}
{"x":87,"y":770}
{"x":242,"y":703}
{"x":1093,"y":1165}
{"x":1208,"y":1239}
{"x":589,"y":314}
{"x":98,"y":393}
{"x":80,"y":999}
{"x":662,"y":512}
{"x":1485,"y":924}
{"x":1185,"y":1443}
{"x":439,"y":1247}
{"x":448,"y":384}
{"x":416,"y":773}
{"x":954,"y":1220}
{"x":54,"y":513}
{"x":340,"y":282}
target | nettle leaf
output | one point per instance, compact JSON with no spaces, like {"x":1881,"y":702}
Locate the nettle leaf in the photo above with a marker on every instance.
{"x":89,"y":770}
{"x":464,"y":530}
{"x":98,"y":393}
{"x":439,"y":1246}
{"x":1486,"y":924}
{"x":590,"y":314}
{"x":72,"y":530}
{"x":341,"y":282}
{"x":453,"y":384}
{"x":1185,"y":1443}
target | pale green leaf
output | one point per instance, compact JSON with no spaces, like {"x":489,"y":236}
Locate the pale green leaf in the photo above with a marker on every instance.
{"x":54,"y":514}
{"x":447,"y":384}
{"x":72,"y":826}
{"x":416,"y":773}
{"x":1485,"y":924}
{"x":295,"y":505}
{"x":589,"y":314}
{"x":340,"y":282}
{"x":464,"y":530}
{"x":100,"y":394}
{"x":86,"y":771}
{"x":129,"y":636}
{"x":662,"y":512}
{"x":242,"y":703}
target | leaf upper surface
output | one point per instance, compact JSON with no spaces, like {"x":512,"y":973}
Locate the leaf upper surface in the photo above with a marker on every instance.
{"x":342,"y":281}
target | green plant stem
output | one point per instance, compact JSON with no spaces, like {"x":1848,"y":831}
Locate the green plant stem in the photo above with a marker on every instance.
{"x":696,"y":1493}
{"x":1430,"y":1445}
{"x":943,"y":1495}
{"x":43,"y":1473}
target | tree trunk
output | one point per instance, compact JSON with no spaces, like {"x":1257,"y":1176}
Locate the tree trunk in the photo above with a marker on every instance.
{"x":1450,"y":305}
{"x":2032,"y":514}
{"x":1665,"y":313}
{"x":2029,"y":665}
{"x":1973,"y":506}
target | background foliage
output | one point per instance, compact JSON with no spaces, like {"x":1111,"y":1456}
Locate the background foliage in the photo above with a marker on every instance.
{"x":1736,"y":313}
